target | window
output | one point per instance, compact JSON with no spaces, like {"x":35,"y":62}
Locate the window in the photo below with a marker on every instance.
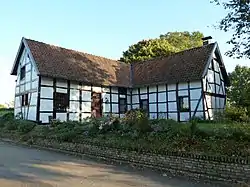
{"x":25,"y":99}
{"x":22,"y":74}
{"x":122,"y":105}
{"x":144,"y":104}
{"x":61,"y":101}
{"x":122,"y":91}
{"x":183,"y":104}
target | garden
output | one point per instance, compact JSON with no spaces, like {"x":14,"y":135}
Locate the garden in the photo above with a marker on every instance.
{"x":227,"y":135}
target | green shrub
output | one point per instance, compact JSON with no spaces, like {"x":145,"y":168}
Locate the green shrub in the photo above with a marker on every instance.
{"x":137,"y":119}
{"x":24,"y":126}
{"x":7,"y":116}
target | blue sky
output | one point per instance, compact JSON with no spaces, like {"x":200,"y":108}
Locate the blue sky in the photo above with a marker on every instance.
{"x":104,"y":28}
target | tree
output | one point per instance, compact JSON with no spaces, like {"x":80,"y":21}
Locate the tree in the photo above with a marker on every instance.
{"x":238,"y":21}
{"x":2,"y":106}
{"x":165,"y":45}
{"x":238,"y":92}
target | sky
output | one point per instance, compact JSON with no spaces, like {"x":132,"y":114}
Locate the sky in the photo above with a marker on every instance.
{"x":104,"y":28}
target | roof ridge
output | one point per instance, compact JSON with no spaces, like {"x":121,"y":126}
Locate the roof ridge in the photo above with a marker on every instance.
{"x":173,"y":54}
{"x":75,"y":50}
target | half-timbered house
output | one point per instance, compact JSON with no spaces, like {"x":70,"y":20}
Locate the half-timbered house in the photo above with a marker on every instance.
{"x":58,"y":83}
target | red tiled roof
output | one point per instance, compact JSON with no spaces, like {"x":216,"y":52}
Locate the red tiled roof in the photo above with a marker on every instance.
{"x":184,"y":66}
{"x":68,"y":64}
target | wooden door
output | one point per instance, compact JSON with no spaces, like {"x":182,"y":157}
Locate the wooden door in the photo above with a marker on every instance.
{"x":96,"y":105}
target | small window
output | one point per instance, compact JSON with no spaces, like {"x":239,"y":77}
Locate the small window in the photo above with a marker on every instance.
{"x":25,"y":99}
{"x":122,"y":105}
{"x":61,"y":101}
{"x":183,"y":104}
{"x":22,"y":74}
{"x":122,"y":91}
{"x":144,"y":104}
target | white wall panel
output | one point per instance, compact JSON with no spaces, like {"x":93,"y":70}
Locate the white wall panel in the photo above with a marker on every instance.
{"x":144,"y":96}
{"x":171,"y":87}
{"x":34,"y":84}
{"x":86,"y":106}
{"x":172,"y":96}
{"x":162,"y":88}
{"x":152,"y":108}
{"x":183,"y":86}
{"x":183,"y":93}
{"x":173,"y":116}
{"x":61,"y":116}
{"x":195,"y":84}
{"x":135,"y":91}
{"x":75,"y":85}
{"x":61,"y":83}
{"x":106,"y":97}
{"x":135,"y":99}
{"x":17,"y":111}
{"x":152,"y":98}
{"x":172,"y":106}
{"x":199,"y":115}
{"x":153,"y":115}
{"x":134,"y":106}
{"x":17,"y":101}
{"x":28,"y":77}
{"x":194,"y":105}
{"x":106,"y":107}
{"x":46,"y":92}
{"x":16,"y":90}
{"x":162,"y":107}
{"x":184,"y":116}
{"x":195,"y":94}
{"x":74,"y":106}
{"x":34,"y":74}
{"x":114,"y":98}
{"x":33,"y":100}
{"x":86,"y":95}
{"x":97,"y":89}
{"x":22,"y":88}
{"x":210,"y":76}
{"x":114,"y":89}
{"x":143,"y":90}
{"x":217,"y":78}
{"x":28,"y":86}
{"x":85,"y":115}
{"x":28,"y":67}
{"x":128,"y":99}
{"x":61,"y":90}
{"x":105,"y":89}
{"x":162,"y":97}
{"x":46,"y":105}
{"x":32,"y":113}
{"x":86,"y":87}
{"x":44,"y":117}
{"x":74,"y":116}
{"x":74,"y":94}
{"x":152,"y":89}
{"x":47,"y":81}
{"x":115,"y":108}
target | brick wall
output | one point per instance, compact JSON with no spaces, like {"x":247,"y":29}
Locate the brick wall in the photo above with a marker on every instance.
{"x":194,"y":166}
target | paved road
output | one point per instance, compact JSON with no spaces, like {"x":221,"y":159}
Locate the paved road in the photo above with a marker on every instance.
{"x":27,"y":167}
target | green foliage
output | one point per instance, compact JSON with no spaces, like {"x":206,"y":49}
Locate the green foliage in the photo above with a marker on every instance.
{"x":2,"y":106}
{"x":238,"y":92}
{"x":138,"y":120}
{"x":237,"y":21}
{"x":165,"y":45}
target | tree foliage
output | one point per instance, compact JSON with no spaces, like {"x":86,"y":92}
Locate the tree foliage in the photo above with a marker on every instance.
{"x":2,"y":106}
{"x":239,"y":91}
{"x":238,"y":21}
{"x":165,"y":45}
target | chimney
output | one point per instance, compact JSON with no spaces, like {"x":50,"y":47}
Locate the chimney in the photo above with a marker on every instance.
{"x":206,"y":40}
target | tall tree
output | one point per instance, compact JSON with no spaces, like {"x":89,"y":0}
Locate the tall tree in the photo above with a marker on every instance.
{"x":239,"y":91}
{"x":237,"y":20}
{"x":165,"y":45}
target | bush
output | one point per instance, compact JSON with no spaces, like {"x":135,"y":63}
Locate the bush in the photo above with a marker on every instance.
{"x":24,"y":126}
{"x":232,"y":113}
{"x":137,"y":119}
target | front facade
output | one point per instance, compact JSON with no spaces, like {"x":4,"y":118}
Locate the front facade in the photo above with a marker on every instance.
{"x":57,"y":83}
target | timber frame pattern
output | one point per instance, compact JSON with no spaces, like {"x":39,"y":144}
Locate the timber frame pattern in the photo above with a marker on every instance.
{"x":180,"y":100}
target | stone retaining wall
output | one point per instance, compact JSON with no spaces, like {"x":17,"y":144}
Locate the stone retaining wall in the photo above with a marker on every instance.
{"x":217,"y":168}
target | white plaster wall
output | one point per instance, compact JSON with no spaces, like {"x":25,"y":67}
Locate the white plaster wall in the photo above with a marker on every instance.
{"x":172,"y":96}
{"x":61,"y":90}
{"x":74,"y":116}
{"x":86,"y":106}
{"x":44,"y":117}
{"x":183,"y":86}
{"x":171,"y":87}
{"x":61,"y":116}
{"x":162,"y":97}
{"x":46,"y":92}
{"x":74,"y":106}
{"x":61,"y":83}
{"x":152,"y":89}
{"x":172,"y":107}
{"x":143,"y":90}
{"x":152,"y":97}
{"x":162,"y":107}
{"x":183,"y":93}
{"x":86,"y":95}
{"x":184,"y":116}
{"x":32,"y":113}
{"x":152,"y":108}
{"x":173,"y":116}
{"x":74,"y":95}
{"x":195,"y":84}
{"x":46,"y":105}
{"x":74,"y":85}
{"x":46,"y":81}
{"x":115,"y":108}
{"x":161,"y":88}
{"x":144,"y":96}
{"x":114,"y":98}
{"x":195,"y":94}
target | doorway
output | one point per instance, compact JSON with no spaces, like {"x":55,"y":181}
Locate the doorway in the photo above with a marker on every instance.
{"x":96,"y":105}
